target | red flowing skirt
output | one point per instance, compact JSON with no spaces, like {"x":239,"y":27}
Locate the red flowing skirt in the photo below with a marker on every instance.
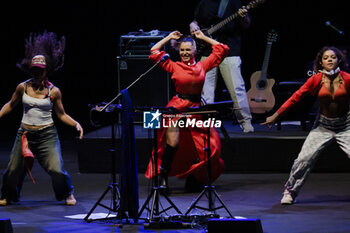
{"x":191,"y":156}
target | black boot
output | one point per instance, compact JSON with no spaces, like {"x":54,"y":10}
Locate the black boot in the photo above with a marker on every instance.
{"x":165,"y":166}
{"x":163,"y":181}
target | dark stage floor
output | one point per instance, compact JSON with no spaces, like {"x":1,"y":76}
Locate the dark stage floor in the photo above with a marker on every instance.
{"x":323,"y":205}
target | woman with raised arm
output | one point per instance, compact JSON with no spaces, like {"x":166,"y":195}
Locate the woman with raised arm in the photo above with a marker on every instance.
{"x":331,"y":85}
{"x":37,"y":136}
{"x":180,"y":149}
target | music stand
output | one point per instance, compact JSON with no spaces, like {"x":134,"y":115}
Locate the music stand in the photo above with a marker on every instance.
{"x":208,"y":189}
{"x":156,"y":191}
{"x":113,"y":186}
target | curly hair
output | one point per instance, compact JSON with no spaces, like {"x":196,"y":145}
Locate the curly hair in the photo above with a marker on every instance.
{"x":318,"y":60}
{"x":46,"y":44}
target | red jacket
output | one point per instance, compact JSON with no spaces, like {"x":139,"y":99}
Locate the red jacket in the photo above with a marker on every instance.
{"x":311,"y":86}
{"x":189,"y":79}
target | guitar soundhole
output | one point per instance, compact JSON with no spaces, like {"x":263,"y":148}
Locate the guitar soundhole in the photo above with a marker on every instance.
{"x":261,"y":84}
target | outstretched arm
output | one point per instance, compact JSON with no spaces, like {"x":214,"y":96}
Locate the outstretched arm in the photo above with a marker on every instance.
{"x":16,"y":97}
{"x":311,"y":86}
{"x":270,"y":121}
{"x":61,"y":114}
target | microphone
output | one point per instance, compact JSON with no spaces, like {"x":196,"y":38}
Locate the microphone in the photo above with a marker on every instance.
{"x":165,"y":57}
{"x":328,"y":24}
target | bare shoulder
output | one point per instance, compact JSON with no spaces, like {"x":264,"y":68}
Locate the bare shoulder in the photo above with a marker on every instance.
{"x":20,"y":87}
{"x":56,"y":92}
{"x":55,"y":88}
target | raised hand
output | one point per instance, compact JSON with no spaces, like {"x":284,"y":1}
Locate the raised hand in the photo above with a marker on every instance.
{"x":199,"y":34}
{"x":175,"y":35}
{"x":194,"y":27}
{"x":243,"y":12}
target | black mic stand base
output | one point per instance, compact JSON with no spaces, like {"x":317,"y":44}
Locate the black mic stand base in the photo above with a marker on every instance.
{"x":154,"y":211}
{"x":155,"y":219}
{"x":113,"y":188}
{"x":208,"y":190}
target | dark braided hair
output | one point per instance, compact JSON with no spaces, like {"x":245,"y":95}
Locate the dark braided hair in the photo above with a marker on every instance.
{"x":46,"y":44}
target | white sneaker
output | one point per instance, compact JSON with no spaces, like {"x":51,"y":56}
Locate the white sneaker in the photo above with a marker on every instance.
{"x":247,"y":127}
{"x":287,"y":198}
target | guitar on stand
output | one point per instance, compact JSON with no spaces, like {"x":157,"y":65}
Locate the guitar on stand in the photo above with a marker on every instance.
{"x":213,"y":29}
{"x":260,"y":95}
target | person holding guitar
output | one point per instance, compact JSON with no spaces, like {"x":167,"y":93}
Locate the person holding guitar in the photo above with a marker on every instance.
{"x":207,"y":13}
{"x":331,"y":85}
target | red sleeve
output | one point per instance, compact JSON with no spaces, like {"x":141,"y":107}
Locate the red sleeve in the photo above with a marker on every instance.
{"x":157,"y":55}
{"x":346,"y":78}
{"x":219,"y":52}
{"x":309,"y":87}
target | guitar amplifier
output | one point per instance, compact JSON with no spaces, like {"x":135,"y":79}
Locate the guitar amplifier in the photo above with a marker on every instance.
{"x":153,"y":89}
{"x":138,"y":44}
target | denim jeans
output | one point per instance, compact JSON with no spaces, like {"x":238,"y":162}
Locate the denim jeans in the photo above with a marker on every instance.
{"x":230,"y":69}
{"x":326,"y":130}
{"x":45,"y":146}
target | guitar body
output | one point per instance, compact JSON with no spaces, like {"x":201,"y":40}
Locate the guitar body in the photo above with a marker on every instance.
{"x":260,"y":96}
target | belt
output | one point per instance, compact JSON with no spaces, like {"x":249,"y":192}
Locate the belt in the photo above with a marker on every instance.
{"x":192,"y":98}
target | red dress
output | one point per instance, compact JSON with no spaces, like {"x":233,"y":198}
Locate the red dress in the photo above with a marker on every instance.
{"x":190,"y":158}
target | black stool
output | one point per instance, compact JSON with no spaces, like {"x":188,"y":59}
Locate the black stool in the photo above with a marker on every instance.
{"x":302,"y":112}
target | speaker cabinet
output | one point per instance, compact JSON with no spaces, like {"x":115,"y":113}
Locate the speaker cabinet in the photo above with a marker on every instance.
{"x":234,"y":225}
{"x":5,"y":225}
{"x":153,"y":89}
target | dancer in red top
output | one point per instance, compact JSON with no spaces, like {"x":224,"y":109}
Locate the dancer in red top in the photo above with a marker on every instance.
{"x":180,"y":150}
{"x":332,"y":87}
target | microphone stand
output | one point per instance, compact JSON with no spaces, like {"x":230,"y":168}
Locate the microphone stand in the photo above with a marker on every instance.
{"x":155,"y":221}
{"x":114,"y":185}
{"x":209,"y":190}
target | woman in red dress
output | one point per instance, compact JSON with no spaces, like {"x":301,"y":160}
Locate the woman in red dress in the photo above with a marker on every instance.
{"x":180,"y":149}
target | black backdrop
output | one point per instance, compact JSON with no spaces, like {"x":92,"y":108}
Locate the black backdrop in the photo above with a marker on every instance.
{"x":92,"y":30}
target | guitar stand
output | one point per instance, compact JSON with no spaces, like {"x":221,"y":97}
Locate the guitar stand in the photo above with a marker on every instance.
{"x":156,"y":192}
{"x":208,"y":190}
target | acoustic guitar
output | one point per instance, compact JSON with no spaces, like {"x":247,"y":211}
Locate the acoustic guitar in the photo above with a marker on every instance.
{"x":260,"y":96}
